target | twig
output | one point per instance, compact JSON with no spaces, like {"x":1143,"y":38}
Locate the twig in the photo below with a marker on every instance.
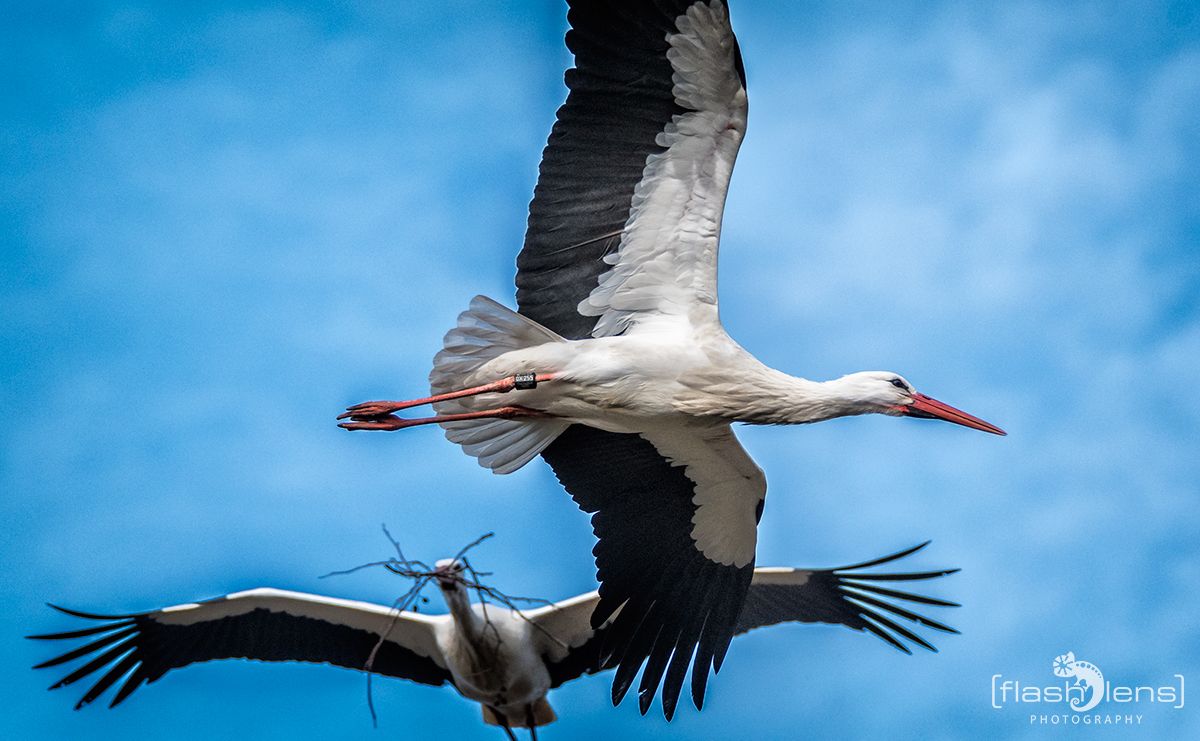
{"x":422,"y":574}
{"x":351,"y":570}
{"x":397,"y":608}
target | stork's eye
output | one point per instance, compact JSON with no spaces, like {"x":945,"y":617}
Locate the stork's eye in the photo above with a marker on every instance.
{"x":899,"y":384}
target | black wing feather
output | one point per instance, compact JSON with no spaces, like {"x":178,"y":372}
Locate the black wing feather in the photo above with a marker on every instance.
{"x":587,"y":658}
{"x":671,"y":598}
{"x":146,"y":649}
{"x":844,"y":596}
{"x":620,"y":100}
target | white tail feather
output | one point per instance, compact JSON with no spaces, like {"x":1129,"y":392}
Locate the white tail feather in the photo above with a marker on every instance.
{"x":485,"y":331}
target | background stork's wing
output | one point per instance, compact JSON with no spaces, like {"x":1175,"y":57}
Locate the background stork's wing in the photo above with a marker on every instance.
{"x":675,"y":551}
{"x":566,"y":638}
{"x":845,"y":595}
{"x":633,"y":179}
{"x":263,"y":624}
{"x":564,"y":624}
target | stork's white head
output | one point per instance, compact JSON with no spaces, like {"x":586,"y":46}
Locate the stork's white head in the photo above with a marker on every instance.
{"x":447,"y":572}
{"x":890,"y":393}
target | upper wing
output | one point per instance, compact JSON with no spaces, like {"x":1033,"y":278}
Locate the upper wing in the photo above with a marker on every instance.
{"x":842,"y":595}
{"x":627,"y":211}
{"x":676,"y":516}
{"x":263,"y":624}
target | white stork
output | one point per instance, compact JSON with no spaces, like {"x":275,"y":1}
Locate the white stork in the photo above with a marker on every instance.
{"x":626,"y":382}
{"x":504,"y":660}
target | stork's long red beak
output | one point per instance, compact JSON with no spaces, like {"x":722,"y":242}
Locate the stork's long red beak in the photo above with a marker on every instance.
{"x":929,"y":408}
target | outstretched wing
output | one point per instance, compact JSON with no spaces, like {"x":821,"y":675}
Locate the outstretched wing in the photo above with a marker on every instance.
{"x":676,"y":518}
{"x":625,"y":220}
{"x":262,"y":624}
{"x":845,"y":595}
{"x":627,"y":212}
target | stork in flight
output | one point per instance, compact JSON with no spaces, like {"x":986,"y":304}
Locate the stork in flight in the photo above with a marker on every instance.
{"x":617,"y":369}
{"x":504,"y":660}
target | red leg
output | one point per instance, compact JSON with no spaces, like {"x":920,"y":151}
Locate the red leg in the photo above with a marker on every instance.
{"x":380,"y":409}
{"x":392,"y":422}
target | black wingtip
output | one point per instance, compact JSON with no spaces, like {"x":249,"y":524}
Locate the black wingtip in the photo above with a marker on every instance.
{"x":645,"y":700}
{"x":906,"y":576}
{"x":668,"y":707}
{"x":884,"y":559}
{"x":618,"y":692}
{"x":87,"y":615}
{"x":699,"y":683}
{"x":626,"y":673}
{"x":885,"y":636}
{"x":895,"y":627}
{"x":131,"y":683}
{"x":860,"y":586}
{"x":862,"y":599}
{"x":107,"y":627}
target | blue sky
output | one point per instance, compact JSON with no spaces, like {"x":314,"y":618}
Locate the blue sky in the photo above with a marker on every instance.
{"x":222,"y":225}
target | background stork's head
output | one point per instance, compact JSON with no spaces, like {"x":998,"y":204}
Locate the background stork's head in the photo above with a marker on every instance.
{"x":890,"y":393}
{"x":447,"y":572}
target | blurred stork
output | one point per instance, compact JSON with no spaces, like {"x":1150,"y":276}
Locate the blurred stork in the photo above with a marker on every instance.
{"x":506,"y":660}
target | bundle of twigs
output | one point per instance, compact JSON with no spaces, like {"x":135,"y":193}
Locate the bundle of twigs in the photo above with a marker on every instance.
{"x":421,"y":574}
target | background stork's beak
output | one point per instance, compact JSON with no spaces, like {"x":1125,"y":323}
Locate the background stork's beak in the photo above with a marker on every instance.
{"x":445,"y":575}
{"x":928,"y":408}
